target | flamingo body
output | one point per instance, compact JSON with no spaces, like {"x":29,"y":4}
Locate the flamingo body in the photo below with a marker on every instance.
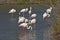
{"x":46,"y":15}
{"x":26,"y":9}
{"x":33,"y":15}
{"x":12,"y":11}
{"x":49,"y":10}
{"x":33,"y":21}
{"x":23,"y":10}
{"x":29,"y":12}
{"x":21,"y":19}
{"x":26,"y":20}
{"x":23,"y":25}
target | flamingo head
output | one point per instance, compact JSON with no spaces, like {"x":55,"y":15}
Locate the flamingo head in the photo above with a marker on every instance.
{"x":26,"y":9}
{"x":50,"y":7}
{"x":30,"y":8}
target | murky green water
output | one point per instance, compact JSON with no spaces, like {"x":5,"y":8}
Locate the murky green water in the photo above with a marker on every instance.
{"x":9,"y":29}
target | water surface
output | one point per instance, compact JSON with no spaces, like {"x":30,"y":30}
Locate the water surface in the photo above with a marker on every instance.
{"x":9,"y":29}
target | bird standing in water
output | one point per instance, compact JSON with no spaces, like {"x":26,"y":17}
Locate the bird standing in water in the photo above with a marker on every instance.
{"x":12,"y":11}
{"x":33,"y":15}
{"x":23,"y":11}
{"x":45,"y":15}
{"x":21,"y":20}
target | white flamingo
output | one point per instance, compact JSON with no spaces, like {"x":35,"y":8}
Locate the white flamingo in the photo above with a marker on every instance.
{"x":33,"y":15}
{"x":33,"y":21}
{"x":26,"y":9}
{"x":26,"y":20}
{"x":49,"y":10}
{"x":46,"y":15}
{"x":23,"y":25}
{"x":30,"y":10}
{"x":21,"y":19}
{"x":23,"y":11}
{"x":12,"y":11}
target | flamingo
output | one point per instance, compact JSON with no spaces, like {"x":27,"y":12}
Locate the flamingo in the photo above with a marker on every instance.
{"x":46,"y":15}
{"x":23,"y":25}
{"x":21,"y":19}
{"x":23,"y":11}
{"x":49,"y":10}
{"x":26,"y":20}
{"x":33,"y":21}
{"x":30,"y":10}
{"x":12,"y":11}
{"x":26,"y":9}
{"x":33,"y":15}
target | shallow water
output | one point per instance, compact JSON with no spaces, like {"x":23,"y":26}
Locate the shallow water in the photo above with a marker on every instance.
{"x":9,"y":29}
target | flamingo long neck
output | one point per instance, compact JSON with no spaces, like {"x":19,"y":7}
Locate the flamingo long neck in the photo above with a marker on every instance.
{"x":29,"y":27}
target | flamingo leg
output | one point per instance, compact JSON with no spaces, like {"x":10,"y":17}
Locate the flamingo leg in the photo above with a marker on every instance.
{"x":12,"y":15}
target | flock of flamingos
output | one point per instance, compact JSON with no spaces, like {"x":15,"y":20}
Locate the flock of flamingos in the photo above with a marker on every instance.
{"x":27,"y":23}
